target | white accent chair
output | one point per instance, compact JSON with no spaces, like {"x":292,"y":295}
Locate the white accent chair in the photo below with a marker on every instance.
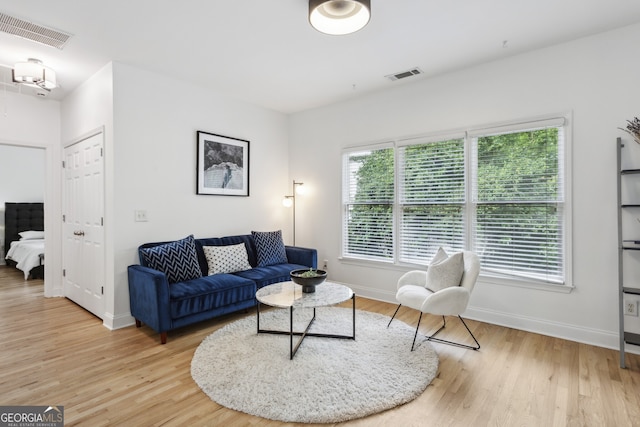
{"x":451,"y":301}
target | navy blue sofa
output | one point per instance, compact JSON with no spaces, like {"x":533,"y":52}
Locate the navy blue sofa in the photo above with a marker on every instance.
{"x":164,"y":307}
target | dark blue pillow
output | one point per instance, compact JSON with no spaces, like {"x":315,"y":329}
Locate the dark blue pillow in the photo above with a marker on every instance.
{"x":270,"y":248}
{"x":177,"y":260}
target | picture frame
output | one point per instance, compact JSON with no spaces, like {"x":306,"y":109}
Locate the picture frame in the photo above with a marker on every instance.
{"x":222,"y":165}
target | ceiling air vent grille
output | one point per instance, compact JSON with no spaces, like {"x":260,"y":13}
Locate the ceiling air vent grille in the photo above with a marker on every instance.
{"x":404,"y":74}
{"x":30,"y":31}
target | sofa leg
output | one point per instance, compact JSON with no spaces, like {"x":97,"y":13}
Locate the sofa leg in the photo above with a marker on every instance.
{"x":163,"y":337}
{"x":138,"y":324}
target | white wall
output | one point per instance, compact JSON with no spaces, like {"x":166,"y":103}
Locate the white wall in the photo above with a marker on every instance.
{"x":21,"y":174}
{"x":87,"y":109}
{"x":594,"y":78}
{"x":27,"y":121}
{"x":155,"y":124}
{"x":150,"y":123}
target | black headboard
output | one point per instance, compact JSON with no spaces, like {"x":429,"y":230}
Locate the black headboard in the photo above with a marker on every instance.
{"x":20,"y":217}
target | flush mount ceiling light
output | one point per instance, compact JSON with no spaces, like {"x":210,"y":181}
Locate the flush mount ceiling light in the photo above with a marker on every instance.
{"x":34,"y":73}
{"x":339,"y":17}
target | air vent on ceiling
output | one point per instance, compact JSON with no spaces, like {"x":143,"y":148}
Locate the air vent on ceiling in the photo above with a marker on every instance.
{"x":404,"y":74}
{"x":34,"y":32}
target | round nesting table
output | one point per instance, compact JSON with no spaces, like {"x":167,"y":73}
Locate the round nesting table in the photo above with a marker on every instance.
{"x":289,"y":295}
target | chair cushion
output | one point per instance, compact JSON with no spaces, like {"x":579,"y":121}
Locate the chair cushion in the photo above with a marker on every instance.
{"x":177,"y":260}
{"x":444,"y":271}
{"x":412,"y":296}
{"x":226,"y":259}
{"x":270,"y":248}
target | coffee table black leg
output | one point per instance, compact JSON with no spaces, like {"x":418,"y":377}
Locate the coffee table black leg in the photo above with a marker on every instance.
{"x":353,"y":304}
{"x":258,"y":315}
{"x":292,"y":350}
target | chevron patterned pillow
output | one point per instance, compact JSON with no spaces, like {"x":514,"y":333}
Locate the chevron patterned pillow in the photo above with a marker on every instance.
{"x":270,"y":248}
{"x":177,"y":260}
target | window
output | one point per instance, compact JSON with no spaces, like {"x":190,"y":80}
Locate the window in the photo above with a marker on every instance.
{"x":368,"y":194}
{"x":518,"y":200}
{"x":431,"y":198}
{"x":499,"y":192}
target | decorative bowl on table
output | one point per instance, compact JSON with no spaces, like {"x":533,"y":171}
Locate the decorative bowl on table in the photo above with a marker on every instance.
{"x":308,"y":279}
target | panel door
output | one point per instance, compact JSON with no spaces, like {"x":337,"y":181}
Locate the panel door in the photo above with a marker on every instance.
{"x":83,"y":226}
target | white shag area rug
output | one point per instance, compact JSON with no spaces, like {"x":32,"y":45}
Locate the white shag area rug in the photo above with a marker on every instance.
{"x":328,"y":380}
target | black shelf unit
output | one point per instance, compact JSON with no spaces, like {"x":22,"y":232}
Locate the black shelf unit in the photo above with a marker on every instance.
{"x":631,"y":338}
{"x":625,"y":245}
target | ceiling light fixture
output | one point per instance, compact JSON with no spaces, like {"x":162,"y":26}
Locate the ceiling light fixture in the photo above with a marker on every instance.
{"x":339,"y":17}
{"x":34,"y":73}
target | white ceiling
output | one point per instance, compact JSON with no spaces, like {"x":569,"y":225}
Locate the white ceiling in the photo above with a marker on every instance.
{"x":264,"y":51}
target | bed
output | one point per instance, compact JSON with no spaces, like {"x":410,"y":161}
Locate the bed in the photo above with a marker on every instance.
{"x":24,"y":238}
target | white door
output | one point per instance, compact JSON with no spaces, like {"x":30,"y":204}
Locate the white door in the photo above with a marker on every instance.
{"x":83,"y":224}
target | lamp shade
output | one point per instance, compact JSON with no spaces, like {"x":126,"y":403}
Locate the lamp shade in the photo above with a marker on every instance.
{"x":339,"y":17}
{"x":33,"y":72}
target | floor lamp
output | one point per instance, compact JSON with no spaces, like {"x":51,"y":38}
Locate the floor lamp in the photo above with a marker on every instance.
{"x":290,"y":201}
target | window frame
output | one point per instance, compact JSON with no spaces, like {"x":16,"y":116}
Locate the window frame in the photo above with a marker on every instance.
{"x":468,"y":134}
{"x":400,"y":205}
{"x":346,"y":203}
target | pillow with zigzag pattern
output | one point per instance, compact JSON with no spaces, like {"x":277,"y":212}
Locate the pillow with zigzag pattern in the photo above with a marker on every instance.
{"x":177,"y":260}
{"x":270,"y":248}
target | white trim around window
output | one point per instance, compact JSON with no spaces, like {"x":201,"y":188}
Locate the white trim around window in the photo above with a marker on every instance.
{"x":413,"y":195}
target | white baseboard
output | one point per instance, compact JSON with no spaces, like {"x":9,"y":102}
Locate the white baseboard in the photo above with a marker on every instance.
{"x":374,"y":294}
{"x":112,"y":322}
{"x":595,"y":337}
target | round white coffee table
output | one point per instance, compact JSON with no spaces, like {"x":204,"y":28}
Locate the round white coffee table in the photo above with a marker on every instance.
{"x":289,"y":295}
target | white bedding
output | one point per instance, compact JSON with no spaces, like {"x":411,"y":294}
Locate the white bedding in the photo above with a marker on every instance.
{"x":26,"y":253}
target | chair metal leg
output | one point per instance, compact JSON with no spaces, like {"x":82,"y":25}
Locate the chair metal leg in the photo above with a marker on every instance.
{"x":433,"y":338}
{"x":416,"y":334}
{"x":394,"y":315}
{"x":470,"y":347}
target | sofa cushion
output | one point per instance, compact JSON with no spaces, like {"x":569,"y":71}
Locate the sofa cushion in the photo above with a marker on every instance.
{"x":177,"y":260}
{"x":264,"y":276}
{"x":209,"y":292}
{"x":444,"y":271}
{"x":226,"y":259}
{"x":270,"y":248}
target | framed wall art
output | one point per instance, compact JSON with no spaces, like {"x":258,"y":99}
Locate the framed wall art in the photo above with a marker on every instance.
{"x":223,"y":165}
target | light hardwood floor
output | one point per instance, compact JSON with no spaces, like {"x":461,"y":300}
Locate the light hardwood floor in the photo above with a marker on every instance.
{"x":55,"y":353}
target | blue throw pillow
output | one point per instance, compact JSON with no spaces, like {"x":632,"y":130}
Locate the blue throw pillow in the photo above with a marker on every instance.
{"x":177,"y":260}
{"x":270,"y":248}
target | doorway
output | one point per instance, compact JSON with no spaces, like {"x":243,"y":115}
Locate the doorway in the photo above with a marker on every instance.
{"x":22,"y":178}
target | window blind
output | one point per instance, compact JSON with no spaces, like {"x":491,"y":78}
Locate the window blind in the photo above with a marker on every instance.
{"x":368,"y":197}
{"x":518,"y":202}
{"x":431,"y":198}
